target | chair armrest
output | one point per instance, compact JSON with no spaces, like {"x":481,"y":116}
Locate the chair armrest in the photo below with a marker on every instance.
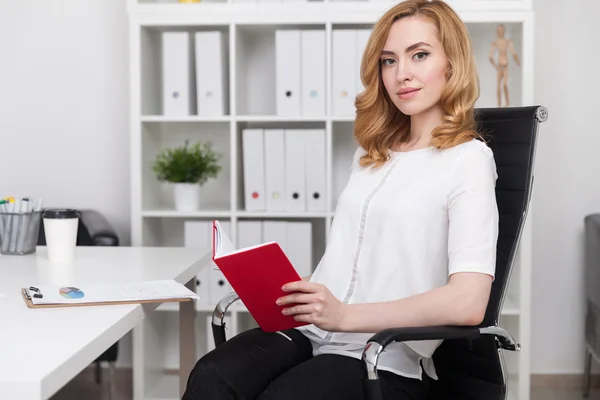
{"x":218,"y":323}
{"x":99,"y":229}
{"x":377,"y":343}
{"x":387,"y":336}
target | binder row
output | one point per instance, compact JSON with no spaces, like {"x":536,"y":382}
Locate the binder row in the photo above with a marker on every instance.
{"x":301,"y":1}
{"x":284,"y":169}
{"x":300,"y":71}
{"x":295,"y":238}
{"x":193,"y":74}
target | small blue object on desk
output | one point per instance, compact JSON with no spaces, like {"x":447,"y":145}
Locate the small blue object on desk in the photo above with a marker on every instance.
{"x":19,"y":225}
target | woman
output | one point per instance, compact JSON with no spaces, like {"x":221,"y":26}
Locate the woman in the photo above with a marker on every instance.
{"x":413,"y":242}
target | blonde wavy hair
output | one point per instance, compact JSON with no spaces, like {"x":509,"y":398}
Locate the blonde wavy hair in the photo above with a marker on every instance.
{"x":379,"y":124}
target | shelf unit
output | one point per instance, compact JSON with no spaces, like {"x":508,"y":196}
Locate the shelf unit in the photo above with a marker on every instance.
{"x":249,"y":31}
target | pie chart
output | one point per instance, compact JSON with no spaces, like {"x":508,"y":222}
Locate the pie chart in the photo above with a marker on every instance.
{"x":71,"y":293}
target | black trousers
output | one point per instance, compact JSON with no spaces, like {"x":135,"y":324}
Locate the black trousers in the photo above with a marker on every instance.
{"x":257,"y":365}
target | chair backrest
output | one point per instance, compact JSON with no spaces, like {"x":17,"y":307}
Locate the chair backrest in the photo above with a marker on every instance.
{"x":474,"y":370}
{"x":591,"y":223}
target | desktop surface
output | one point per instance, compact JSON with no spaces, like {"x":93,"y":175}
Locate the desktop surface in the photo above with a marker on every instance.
{"x":42,"y":349}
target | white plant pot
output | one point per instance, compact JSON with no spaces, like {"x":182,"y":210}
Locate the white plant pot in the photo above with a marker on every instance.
{"x":187,"y":196}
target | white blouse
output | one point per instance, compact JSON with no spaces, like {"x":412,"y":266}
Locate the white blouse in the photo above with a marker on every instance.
{"x":403,"y":229}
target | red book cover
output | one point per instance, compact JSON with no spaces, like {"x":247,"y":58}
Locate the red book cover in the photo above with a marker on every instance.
{"x":257,"y":274}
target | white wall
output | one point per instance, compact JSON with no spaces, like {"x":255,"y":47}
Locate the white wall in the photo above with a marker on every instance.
{"x":64,"y":104}
{"x":64,"y":107}
{"x":567,"y":183}
{"x":63,"y":82}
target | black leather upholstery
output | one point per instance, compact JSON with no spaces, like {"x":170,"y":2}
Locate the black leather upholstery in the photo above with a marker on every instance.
{"x":388,"y":336}
{"x":591,"y":224}
{"x":477,"y":374}
{"x":93,"y":230}
{"x":511,"y":134}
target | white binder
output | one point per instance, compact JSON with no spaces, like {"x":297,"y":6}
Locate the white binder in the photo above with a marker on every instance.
{"x":299,"y":246}
{"x":287,"y":72}
{"x":176,"y":74}
{"x":219,"y":287}
{"x":343,"y":72}
{"x":362,"y":37}
{"x":249,"y":233}
{"x":275,"y":231}
{"x":197,"y":234}
{"x":295,"y":170}
{"x":274,"y":148}
{"x":313,"y":73}
{"x":210,"y":64}
{"x":315,"y":169}
{"x":254,"y":170}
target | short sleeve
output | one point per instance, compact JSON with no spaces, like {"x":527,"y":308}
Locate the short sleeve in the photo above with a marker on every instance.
{"x":473,"y":212}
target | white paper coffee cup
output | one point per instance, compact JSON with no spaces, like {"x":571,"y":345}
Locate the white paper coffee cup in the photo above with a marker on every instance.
{"x":60,"y":228}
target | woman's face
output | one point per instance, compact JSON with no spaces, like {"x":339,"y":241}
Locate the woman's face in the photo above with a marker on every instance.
{"x":413,"y":65}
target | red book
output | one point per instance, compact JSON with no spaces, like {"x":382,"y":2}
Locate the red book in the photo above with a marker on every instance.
{"x":257,"y":274}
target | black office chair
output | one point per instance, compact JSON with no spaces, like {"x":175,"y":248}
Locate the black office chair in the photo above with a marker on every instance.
{"x":591,"y":224}
{"x":94,"y":229}
{"x":469,"y":363}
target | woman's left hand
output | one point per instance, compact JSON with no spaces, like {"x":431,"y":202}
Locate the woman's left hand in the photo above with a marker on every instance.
{"x":315,"y":305}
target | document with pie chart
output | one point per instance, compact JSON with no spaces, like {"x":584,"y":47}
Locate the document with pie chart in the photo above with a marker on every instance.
{"x":137,"y":292}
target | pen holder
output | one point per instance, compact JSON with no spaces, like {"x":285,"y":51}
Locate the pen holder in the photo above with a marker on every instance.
{"x":19,"y":232}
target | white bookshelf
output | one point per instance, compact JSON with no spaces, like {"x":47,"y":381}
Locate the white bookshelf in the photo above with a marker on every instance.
{"x":249,"y":31}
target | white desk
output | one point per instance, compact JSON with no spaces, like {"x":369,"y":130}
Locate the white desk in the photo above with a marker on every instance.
{"x":43,"y":349}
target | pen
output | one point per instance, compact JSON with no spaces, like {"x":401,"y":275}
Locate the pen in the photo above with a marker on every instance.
{"x":14,"y":229}
{"x":38,"y":206}
{"x":7,"y":226}
{"x":34,"y":220}
{"x":2,"y":218}
{"x":24,"y":223}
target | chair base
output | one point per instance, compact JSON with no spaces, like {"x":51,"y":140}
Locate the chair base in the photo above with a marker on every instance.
{"x":372,"y":389}
{"x":587,"y":374}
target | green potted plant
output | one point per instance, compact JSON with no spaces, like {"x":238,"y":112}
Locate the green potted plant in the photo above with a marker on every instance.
{"x":187,"y":168}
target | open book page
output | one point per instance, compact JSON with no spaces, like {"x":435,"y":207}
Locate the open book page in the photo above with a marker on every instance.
{"x":151,"y":290}
{"x":223,"y":244}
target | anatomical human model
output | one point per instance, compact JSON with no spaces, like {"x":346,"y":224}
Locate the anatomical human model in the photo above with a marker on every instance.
{"x":503,"y":46}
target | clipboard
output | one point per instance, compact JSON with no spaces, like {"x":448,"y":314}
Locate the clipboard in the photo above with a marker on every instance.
{"x":30,"y":304}
{"x":28,"y":298}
